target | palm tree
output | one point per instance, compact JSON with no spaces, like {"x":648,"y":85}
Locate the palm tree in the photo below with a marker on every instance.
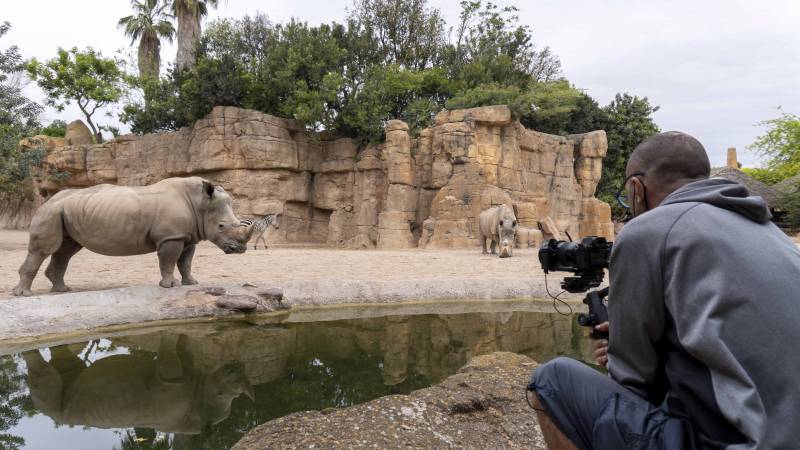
{"x":189,"y":13}
{"x":149,"y":23}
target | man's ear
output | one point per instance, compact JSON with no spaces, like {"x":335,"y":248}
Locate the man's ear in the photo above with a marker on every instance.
{"x":208,"y":189}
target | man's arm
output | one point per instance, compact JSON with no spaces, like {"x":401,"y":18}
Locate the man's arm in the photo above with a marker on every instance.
{"x":636,"y":312}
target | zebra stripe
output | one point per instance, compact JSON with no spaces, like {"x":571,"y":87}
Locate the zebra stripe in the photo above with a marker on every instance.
{"x":259,"y":226}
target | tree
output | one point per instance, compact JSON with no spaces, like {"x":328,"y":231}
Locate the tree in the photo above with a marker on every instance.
{"x":19,"y":117}
{"x":83,"y":77}
{"x":629,"y":121}
{"x":409,"y":33}
{"x":390,"y":60}
{"x":149,"y":24}
{"x":789,"y":201}
{"x":189,"y":14}
{"x":18,"y":114}
{"x":14,"y":402}
{"x":780,"y":145}
{"x":56,"y":128}
{"x":490,"y":46}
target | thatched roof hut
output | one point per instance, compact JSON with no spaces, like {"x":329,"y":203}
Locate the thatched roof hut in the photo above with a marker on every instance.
{"x":768,"y":193}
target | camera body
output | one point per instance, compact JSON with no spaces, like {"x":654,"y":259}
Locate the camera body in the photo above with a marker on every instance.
{"x":588,"y":260}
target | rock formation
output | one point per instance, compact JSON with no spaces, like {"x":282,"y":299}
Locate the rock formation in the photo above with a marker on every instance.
{"x":481,"y":406}
{"x":405,"y":192}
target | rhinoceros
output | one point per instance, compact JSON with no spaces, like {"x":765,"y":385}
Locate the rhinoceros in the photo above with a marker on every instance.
{"x":169,"y":217}
{"x":499,"y":224}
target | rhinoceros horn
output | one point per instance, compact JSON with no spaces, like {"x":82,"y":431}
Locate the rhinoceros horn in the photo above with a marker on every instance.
{"x":250,"y":229}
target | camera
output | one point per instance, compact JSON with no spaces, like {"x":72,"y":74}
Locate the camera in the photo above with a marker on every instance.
{"x":588,"y":260}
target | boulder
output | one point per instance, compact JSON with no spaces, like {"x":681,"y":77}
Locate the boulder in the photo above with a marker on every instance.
{"x":481,"y":406}
{"x":78,"y":134}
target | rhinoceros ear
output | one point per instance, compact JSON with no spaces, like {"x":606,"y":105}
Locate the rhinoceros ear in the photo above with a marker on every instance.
{"x":208,"y":189}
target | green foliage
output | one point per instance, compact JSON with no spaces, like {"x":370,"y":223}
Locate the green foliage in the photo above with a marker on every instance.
{"x":149,"y":24}
{"x":14,"y":402}
{"x":790,"y":203}
{"x":57,"y":128}
{"x":16,"y":172}
{"x":555,"y":101}
{"x":628,"y":121}
{"x":407,"y":33}
{"x":83,"y":77}
{"x":520,"y":102}
{"x":19,"y":117}
{"x":781,"y":144}
{"x":767,"y":176}
{"x":391,"y":59}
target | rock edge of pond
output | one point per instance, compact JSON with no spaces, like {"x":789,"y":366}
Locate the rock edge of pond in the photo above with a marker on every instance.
{"x":31,"y":318}
{"x":481,"y":406}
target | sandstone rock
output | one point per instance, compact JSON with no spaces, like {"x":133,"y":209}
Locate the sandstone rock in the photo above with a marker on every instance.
{"x":78,"y":134}
{"x":551,"y":229}
{"x":498,"y":114}
{"x":344,"y":193}
{"x":41,"y":142}
{"x":397,"y":153}
{"x":396,"y":125}
{"x":401,"y":197}
{"x":271,"y":294}
{"x":243,"y":303}
{"x":596,"y":219}
{"x":529,"y":237}
{"x":16,"y":211}
{"x":394,"y":230}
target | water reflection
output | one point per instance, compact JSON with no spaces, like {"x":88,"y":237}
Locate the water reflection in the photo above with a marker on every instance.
{"x":159,"y":389}
{"x":207,"y":384}
{"x":14,"y":402}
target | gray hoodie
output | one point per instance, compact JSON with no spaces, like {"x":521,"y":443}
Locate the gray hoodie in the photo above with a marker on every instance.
{"x":704,"y":307}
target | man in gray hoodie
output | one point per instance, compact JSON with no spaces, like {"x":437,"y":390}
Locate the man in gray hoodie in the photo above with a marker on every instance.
{"x":704,"y":314}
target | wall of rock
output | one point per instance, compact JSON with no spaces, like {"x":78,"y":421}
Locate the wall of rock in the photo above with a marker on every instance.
{"x":406,"y":192}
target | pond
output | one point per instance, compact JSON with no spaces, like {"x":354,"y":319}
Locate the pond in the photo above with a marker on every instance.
{"x":203,"y":385}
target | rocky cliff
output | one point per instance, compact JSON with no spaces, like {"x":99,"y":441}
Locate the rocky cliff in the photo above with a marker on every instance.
{"x":405,"y":192}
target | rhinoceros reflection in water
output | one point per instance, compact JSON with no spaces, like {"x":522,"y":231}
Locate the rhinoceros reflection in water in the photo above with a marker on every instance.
{"x":142,"y":389}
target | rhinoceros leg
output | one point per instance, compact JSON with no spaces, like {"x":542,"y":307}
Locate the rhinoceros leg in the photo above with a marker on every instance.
{"x":494,"y":246}
{"x":168,"y":254}
{"x":28,"y":271}
{"x":58,"y":264}
{"x":185,"y":265}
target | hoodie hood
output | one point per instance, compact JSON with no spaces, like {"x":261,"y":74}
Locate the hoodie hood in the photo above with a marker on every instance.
{"x":722,"y":193}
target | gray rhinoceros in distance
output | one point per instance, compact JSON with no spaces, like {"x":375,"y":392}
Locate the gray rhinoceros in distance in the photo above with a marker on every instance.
{"x":499,"y":224}
{"x":169,"y":217}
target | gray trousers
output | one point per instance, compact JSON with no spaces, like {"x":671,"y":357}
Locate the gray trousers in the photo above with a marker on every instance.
{"x":595,"y":412}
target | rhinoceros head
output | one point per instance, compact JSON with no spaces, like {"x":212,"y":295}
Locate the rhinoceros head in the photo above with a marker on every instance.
{"x":507,"y":231}
{"x":221,"y":225}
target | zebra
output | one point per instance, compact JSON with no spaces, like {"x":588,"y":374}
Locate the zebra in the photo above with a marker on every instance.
{"x":260,"y":226}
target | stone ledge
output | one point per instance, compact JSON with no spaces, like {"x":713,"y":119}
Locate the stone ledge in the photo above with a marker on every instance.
{"x":481,"y":406}
{"x":34,"y":318}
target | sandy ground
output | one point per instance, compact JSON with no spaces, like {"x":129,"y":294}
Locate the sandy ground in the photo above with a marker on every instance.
{"x":91,"y":271}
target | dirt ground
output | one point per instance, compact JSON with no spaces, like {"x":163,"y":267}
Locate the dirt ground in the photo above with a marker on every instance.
{"x":91,"y":271}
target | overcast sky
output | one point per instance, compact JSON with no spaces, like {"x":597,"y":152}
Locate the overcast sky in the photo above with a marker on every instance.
{"x":715,"y":67}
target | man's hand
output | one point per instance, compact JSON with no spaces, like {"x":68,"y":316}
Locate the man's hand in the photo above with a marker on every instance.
{"x":601,"y":347}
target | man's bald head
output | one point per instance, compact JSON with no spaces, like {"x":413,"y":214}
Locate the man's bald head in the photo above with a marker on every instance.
{"x":669,"y":158}
{"x":664,"y":163}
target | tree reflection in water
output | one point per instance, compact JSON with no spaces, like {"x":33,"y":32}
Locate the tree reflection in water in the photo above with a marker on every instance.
{"x":205,"y":385}
{"x":14,"y":402}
